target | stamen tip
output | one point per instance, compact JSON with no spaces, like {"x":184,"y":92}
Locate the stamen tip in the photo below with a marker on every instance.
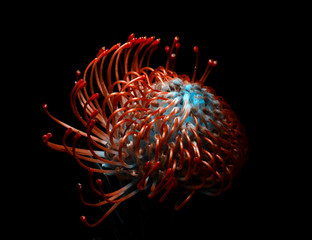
{"x":46,"y":137}
{"x":83,"y":219}
{"x":79,"y":186}
{"x":99,"y":182}
{"x":78,"y":74}
{"x":131,"y":36}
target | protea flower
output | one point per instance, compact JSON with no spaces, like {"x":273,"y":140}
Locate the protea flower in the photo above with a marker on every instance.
{"x":156,"y":130}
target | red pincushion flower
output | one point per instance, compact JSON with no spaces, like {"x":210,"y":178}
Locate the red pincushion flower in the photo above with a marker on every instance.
{"x":153,"y":128}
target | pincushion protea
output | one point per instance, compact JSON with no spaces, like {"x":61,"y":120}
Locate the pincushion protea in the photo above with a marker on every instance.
{"x":154,"y":129}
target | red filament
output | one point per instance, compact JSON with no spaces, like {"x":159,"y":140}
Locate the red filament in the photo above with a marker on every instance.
{"x":156,"y":130}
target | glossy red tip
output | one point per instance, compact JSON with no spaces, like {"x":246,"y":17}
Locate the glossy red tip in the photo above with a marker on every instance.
{"x":147,"y":166}
{"x":83,"y":219}
{"x":128,"y":44}
{"x":140,"y":40}
{"x":150,"y":39}
{"x":195,"y":49}
{"x":44,"y":106}
{"x":91,"y":124}
{"x":82,"y":85}
{"x":79,"y":186}
{"x":99,"y":182}
{"x":68,"y":132}
{"x":131,"y":36}
{"x":46,"y":137}
{"x":156,"y":42}
{"x":79,"y":82}
{"x":142,"y":77}
{"x":77,"y":136}
{"x":113,"y":48}
{"x":90,"y":171}
{"x":100,"y":51}
{"x":78,"y":73}
{"x":94,"y":96}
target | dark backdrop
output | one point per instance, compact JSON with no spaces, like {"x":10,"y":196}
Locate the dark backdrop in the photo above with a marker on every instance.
{"x":238,"y":39}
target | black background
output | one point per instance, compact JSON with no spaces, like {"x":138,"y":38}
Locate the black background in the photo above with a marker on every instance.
{"x":240,"y":39}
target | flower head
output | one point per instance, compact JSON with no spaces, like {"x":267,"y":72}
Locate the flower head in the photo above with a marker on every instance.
{"x":155,"y":129}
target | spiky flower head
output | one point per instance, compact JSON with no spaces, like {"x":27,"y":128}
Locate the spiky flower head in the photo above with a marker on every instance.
{"x":154,"y":129}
